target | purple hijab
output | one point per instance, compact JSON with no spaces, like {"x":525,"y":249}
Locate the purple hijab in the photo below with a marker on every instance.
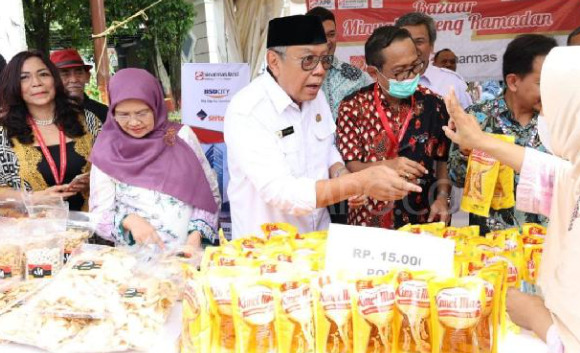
{"x":159,"y":161}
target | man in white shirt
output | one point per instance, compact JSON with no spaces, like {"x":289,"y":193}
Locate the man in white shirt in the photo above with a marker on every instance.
{"x":439,"y":80}
{"x":279,"y":131}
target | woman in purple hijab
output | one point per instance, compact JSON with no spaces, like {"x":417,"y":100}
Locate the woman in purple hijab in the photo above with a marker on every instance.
{"x":150,"y":180}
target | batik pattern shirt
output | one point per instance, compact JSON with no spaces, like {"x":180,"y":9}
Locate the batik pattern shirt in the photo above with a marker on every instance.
{"x":495,"y":117}
{"x":362,"y":137}
{"x":341,"y":80}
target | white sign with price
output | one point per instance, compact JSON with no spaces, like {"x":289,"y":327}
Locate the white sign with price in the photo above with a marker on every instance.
{"x":374,"y":251}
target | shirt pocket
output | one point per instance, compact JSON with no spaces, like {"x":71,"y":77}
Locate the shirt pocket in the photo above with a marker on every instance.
{"x":324,"y":134}
{"x":292,"y":154}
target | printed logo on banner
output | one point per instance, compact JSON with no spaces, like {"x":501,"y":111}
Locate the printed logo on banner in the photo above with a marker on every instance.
{"x":216,"y":93}
{"x":201,"y":115}
{"x":199,"y":75}
{"x":352,"y":4}
{"x":328,"y":4}
{"x":211,"y":76}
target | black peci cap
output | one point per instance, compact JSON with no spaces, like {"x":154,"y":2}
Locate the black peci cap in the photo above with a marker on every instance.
{"x":295,"y":30}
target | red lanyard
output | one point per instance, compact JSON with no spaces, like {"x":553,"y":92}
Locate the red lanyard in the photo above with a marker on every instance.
{"x":395,"y":139}
{"x":58,"y":178}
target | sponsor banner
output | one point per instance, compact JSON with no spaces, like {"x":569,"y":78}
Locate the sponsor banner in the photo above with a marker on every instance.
{"x":478,"y":31}
{"x":207,"y":89}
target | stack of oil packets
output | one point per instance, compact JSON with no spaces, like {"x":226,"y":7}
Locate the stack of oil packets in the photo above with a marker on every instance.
{"x":266,"y":295}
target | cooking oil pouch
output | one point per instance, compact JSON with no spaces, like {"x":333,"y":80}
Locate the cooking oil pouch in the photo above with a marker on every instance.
{"x":511,"y":239}
{"x":457,"y":305}
{"x":411,"y":228}
{"x":196,"y":325}
{"x":533,"y":229}
{"x":254,"y":312}
{"x":515,"y":266}
{"x":468,"y":231}
{"x":436,"y":229}
{"x":488,"y":329}
{"x":294,"y":315}
{"x":309,"y":240}
{"x":412,"y":324}
{"x":503,"y":195}
{"x":279,"y":229}
{"x":480,"y":180}
{"x":373,"y":311}
{"x":333,"y":314}
{"x":218,"y":292}
{"x":532,"y":256}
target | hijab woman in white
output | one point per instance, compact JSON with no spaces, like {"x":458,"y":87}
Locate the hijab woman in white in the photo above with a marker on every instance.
{"x":551,"y":186}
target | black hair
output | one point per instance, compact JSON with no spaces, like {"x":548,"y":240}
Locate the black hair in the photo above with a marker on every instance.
{"x":521,"y":52}
{"x":573,"y":34}
{"x":322,"y":13}
{"x":381,"y":38}
{"x":441,"y":51}
{"x":2,"y":63}
{"x":15,"y":111}
{"x":417,"y":19}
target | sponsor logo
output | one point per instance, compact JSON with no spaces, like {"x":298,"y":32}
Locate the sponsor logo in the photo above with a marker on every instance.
{"x":206,"y":75}
{"x":201,"y":115}
{"x":216,"y":93}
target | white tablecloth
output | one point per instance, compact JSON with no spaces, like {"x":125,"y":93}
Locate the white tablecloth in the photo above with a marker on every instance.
{"x":524,"y":342}
{"x":166,"y":344}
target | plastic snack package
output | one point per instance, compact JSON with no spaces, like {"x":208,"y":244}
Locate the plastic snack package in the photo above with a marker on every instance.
{"x":333,"y":314}
{"x":254,"y":312}
{"x":373,"y":311}
{"x":195,"y":324}
{"x":480,"y":181}
{"x":412,"y":320}
{"x":294,"y":315}
{"x":11,"y":254}
{"x":457,"y":305}
{"x":16,"y":291}
{"x":218,"y":292}
{"x":43,"y":255}
{"x":503,"y":195}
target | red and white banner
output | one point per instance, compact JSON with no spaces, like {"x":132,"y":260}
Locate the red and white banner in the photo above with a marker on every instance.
{"x":478,"y":31}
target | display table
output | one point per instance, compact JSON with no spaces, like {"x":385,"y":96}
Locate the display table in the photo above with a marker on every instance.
{"x":167,"y":343}
{"x":524,"y":342}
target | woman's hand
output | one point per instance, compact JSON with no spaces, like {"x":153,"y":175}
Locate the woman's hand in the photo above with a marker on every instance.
{"x":56,"y":191}
{"x":463,"y":128}
{"x":143,"y":232}
{"x":80,"y":183}
{"x":194,"y":239}
{"x":528,"y":312}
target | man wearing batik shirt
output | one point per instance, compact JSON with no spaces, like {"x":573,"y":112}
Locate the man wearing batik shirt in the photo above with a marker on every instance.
{"x":397,"y":123}
{"x":513,"y":113}
{"x":341,"y":78}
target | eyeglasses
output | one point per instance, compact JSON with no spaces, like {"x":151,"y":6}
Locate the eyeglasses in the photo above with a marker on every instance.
{"x":139,"y":116}
{"x":309,"y":62}
{"x":404,"y":74}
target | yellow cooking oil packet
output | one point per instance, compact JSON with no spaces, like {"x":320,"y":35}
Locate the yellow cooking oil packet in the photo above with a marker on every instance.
{"x":253,"y":312}
{"x":515,"y":266}
{"x":217,"y":288}
{"x":196,"y":324}
{"x":333,"y":313}
{"x":468,"y":231}
{"x":436,"y":229}
{"x":272,"y":230}
{"x":511,"y":238}
{"x":456,"y":309}
{"x":532,"y":258}
{"x":533,"y":229}
{"x":411,"y":228}
{"x":480,"y":247}
{"x":309,"y":240}
{"x":480,"y":179}
{"x":294,"y":315}
{"x":489,"y":328}
{"x":504,"y":195}
{"x":373,"y":312}
{"x":412,"y":324}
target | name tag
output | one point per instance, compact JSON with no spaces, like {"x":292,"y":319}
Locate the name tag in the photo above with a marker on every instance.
{"x":285,"y":132}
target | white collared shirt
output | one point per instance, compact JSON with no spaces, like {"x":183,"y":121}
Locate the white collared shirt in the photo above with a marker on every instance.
{"x":440,"y":80}
{"x":273,"y":178}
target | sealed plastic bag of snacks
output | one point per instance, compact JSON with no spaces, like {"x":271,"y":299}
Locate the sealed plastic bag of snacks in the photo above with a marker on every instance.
{"x":12,"y":208}
{"x":11,"y":255}
{"x":480,"y":180}
{"x":196,"y":325}
{"x":412,"y":324}
{"x":294,"y":315}
{"x":373,"y":312}
{"x":218,"y":292}
{"x":457,"y":305}
{"x":43,"y":256}
{"x":253,"y":311}
{"x":14,"y":292}
{"x":333,"y":314}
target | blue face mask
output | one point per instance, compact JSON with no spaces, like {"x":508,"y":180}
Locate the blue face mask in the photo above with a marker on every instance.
{"x":402,"y":89}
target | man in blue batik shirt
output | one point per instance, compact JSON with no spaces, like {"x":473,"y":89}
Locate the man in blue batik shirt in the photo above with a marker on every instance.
{"x":341,"y":79}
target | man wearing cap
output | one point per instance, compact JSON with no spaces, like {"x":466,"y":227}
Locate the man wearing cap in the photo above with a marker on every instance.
{"x":75,"y":75}
{"x":279,"y":131}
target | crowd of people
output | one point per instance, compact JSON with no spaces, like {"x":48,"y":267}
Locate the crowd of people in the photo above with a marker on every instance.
{"x":379,"y":148}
